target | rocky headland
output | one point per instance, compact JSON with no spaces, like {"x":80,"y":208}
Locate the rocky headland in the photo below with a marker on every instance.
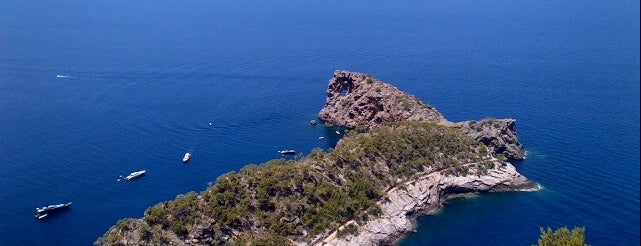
{"x":357,"y":100}
{"x":402,"y":160}
{"x":360,"y":100}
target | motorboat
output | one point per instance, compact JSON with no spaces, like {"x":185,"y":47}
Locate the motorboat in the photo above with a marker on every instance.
{"x":135,"y":175}
{"x":42,"y":212}
{"x":186,"y":157}
{"x":287,"y":152}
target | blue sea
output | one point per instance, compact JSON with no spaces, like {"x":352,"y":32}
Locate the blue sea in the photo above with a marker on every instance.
{"x":91,"y":90}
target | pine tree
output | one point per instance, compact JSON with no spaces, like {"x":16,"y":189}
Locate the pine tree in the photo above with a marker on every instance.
{"x":562,"y":237}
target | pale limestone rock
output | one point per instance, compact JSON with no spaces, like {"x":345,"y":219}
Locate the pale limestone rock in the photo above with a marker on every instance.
{"x":403,"y":205}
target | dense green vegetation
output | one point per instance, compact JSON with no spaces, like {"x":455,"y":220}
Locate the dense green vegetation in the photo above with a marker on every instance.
{"x":284,"y":200}
{"x":562,"y":237}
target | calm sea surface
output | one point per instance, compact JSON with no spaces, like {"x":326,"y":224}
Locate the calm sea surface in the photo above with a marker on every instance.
{"x":93,"y":90}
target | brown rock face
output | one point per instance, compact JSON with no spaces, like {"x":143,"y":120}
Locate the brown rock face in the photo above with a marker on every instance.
{"x":356,"y":99}
{"x":359,"y":100}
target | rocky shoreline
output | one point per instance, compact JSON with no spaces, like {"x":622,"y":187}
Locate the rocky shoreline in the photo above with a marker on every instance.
{"x":359,"y":100}
{"x":424,"y":196}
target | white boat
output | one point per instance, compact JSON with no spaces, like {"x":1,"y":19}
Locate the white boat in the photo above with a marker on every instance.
{"x":337,"y":132}
{"x":52,"y":207}
{"x":135,"y":175}
{"x":186,"y":157}
{"x":43,"y":212}
{"x":287,"y":152}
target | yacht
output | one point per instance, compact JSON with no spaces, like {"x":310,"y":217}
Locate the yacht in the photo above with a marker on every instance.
{"x":186,"y":157}
{"x":287,"y":152}
{"x":42,"y":212}
{"x":135,"y":175}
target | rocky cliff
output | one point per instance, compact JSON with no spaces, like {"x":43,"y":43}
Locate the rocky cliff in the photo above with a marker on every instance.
{"x":359,"y":100}
{"x":498,"y":134}
{"x":401,"y":205}
{"x":356,"y":99}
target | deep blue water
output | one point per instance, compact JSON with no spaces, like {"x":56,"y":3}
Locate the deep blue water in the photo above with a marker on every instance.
{"x":146,"y":78}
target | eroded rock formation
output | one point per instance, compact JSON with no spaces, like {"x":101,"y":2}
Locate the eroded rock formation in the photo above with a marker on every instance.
{"x":359,"y":100}
{"x":497,"y":134}
{"x":356,"y":99}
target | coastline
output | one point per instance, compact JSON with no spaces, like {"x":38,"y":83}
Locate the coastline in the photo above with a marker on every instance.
{"x":435,"y":210}
{"x":425,"y":196}
{"x":404,"y":161}
{"x":372,"y":102}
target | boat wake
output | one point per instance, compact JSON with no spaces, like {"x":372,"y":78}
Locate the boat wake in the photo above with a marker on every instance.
{"x":537,"y":188}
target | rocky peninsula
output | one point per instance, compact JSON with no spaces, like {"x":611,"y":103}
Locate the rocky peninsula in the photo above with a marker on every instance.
{"x":359,"y":100}
{"x":401,"y":160}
